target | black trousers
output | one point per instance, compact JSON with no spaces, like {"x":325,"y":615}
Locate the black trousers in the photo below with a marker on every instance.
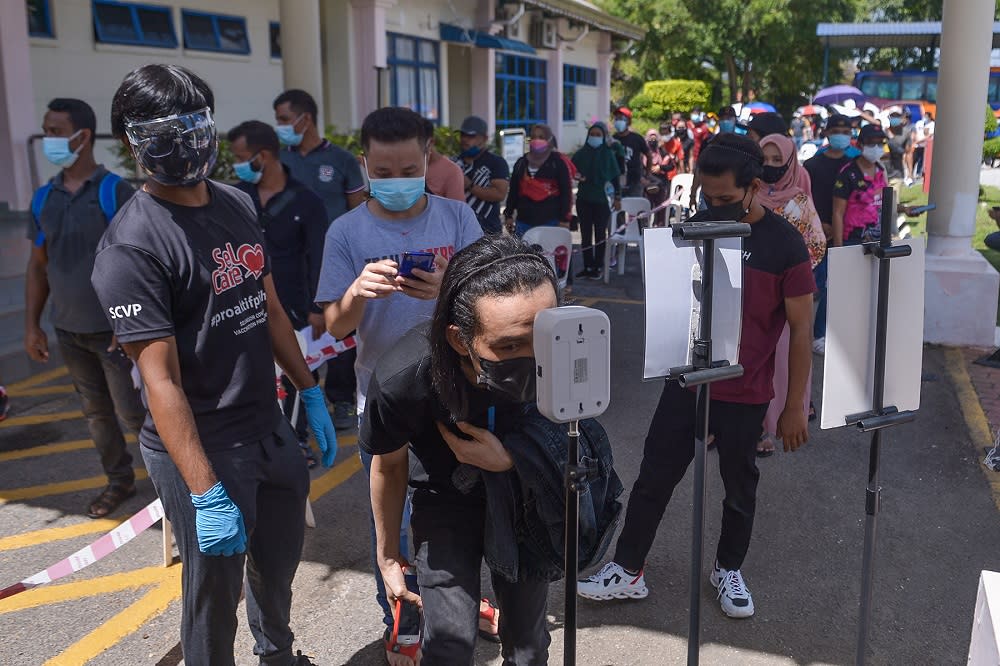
{"x":268,"y":481}
{"x":593,"y":218}
{"x":669,"y":450}
{"x":341,"y":384}
{"x":448,"y":541}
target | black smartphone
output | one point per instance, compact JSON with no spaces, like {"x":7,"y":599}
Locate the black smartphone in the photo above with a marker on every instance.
{"x":422,"y":260}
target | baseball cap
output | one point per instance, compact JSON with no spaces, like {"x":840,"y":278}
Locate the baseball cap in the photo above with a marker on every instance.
{"x":768,"y":123}
{"x":870,"y":133}
{"x":474,"y":125}
{"x":727,"y":111}
{"x":624,"y":111}
{"x":838,"y":121}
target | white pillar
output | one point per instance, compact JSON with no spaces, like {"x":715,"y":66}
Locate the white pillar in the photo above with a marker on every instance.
{"x":554,"y":93}
{"x":17,"y":110}
{"x":605,"y":57}
{"x":961,"y":286}
{"x":369,"y":53}
{"x":484,"y":87}
{"x":301,"y":55}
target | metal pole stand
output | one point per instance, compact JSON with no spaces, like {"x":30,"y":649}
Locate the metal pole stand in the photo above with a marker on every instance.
{"x":881,"y":416}
{"x":573,"y":474}
{"x":702,"y":373}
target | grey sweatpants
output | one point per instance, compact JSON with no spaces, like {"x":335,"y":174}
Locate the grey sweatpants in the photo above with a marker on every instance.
{"x":269,"y":482}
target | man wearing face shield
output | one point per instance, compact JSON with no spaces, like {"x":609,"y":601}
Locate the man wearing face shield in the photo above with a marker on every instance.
{"x":777,"y":287}
{"x":183,"y":274}
{"x":363,"y":285}
{"x":451,"y":392}
{"x":69,"y":216}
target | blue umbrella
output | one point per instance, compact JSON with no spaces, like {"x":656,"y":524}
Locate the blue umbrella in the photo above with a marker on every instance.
{"x":838,"y":95}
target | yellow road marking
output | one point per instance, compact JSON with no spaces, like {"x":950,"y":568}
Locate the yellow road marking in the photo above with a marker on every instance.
{"x":124,"y":623}
{"x":35,"y":419}
{"x":323,"y":484}
{"x":972,"y":412}
{"x":40,"y":378}
{"x":43,"y":390}
{"x":50,"y":449}
{"x":46,"y":489}
{"x":54,"y":594}
{"x":60,"y":533}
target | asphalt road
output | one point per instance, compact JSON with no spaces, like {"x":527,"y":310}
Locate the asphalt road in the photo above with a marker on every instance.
{"x":937,"y":530}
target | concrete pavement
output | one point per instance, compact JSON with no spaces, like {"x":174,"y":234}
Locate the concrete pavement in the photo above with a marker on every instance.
{"x":938,"y":529}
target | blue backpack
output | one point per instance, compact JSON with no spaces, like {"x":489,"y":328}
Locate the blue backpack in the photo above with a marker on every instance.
{"x":106,"y":197}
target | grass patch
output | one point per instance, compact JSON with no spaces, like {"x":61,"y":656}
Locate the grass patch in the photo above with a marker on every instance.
{"x":988,"y":196}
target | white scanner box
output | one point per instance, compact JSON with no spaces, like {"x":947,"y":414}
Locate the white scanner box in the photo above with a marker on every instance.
{"x":573,"y":363}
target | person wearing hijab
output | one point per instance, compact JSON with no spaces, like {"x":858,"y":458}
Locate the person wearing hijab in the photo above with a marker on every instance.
{"x":598,"y":168}
{"x":783,"y":194}
{"x":540,"y":187}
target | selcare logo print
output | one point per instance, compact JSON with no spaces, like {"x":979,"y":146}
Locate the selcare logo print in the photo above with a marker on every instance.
{"x":235,"y":266}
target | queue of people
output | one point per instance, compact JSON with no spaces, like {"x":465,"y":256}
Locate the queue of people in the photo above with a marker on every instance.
{"x":202,"y":285}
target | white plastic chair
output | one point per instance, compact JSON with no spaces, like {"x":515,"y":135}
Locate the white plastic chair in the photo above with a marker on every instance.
{"x":296,"y":404}
{"x":557,"y":244}
{"x":680,"y":188}
{"x":618,"y":241}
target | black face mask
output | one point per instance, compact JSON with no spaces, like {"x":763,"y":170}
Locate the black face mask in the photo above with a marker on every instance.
{"x":772,"y":174}
{"x":735,"y":211}
{"x":512,"y":380}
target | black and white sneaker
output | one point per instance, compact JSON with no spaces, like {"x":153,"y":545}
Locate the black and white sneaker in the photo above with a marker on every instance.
{"x":613,"y":582}
{"x":734,"y":596}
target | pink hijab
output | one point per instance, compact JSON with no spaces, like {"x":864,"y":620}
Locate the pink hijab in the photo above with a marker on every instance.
{"x":776,"y":195}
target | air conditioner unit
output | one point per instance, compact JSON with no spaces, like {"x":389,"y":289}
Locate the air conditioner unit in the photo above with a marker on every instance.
{"x":544,"y":33}
{"x":514,"y":30}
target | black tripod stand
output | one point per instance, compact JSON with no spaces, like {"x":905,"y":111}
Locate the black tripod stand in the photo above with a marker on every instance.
{"x":702,"y":373}
{"x":880,"y":416}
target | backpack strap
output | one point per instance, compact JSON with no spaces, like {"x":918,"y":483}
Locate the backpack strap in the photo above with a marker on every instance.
{"x":107,"y":195}
{"x":38,"y":200}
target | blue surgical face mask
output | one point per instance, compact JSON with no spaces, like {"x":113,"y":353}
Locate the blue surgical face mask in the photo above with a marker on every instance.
{"x":595,"y":141}
{"x":895,"y":122}
{"x":56,"y":149}
{"x":621,"y":125}
{"x":471,"y":151}
{"x":727,"y":125}
{"x":840,"y":141}
{"x":397,"y":194}
{"x":245,"y":171}
{"x":287,"y":134}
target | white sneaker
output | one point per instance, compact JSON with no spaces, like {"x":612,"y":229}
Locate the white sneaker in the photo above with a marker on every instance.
{"x":907,"y":182}
{"x":613,"y":582}
{"x":819,"y":346}
{"x":734,"y":597}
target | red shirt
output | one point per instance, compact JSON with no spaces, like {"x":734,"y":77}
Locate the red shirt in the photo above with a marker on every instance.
{"x":671,"y":148}
{"x":700,"y":132}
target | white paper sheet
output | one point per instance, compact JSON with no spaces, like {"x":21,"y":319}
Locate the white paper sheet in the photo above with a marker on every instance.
{"x":849,"y":363}
{"x":673,"y":305}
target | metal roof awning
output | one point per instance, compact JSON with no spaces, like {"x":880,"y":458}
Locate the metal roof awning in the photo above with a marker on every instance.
{"x":924,"y":34}
{"x":460,"y":35}
{"x":588,"y":14}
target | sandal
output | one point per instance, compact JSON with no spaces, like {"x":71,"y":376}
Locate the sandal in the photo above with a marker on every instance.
{"x":307,"y":454}
{"x":110,"y":499}
{"x":489,"y":621}
{"x":765,"y":447}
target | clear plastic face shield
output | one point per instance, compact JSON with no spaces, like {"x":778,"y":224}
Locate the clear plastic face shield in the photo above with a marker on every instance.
{"x":176,"y":150}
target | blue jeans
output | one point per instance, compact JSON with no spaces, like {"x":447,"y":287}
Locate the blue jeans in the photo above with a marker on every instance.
{"x":820,"y":273}
{"x":404,"y":543}
{"x":521,"y":227}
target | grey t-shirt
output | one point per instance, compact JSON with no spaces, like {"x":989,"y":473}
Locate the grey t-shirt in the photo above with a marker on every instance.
{"x":329,"y":171}
{"x":70,"y":227}
{"x":359,"y":238}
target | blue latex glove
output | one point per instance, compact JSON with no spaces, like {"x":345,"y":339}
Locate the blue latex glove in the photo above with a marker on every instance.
{"x":320,"y":423}
{"x":218,"y":522}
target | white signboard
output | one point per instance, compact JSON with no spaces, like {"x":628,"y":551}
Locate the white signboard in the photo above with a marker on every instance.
{"x":512,"y":146}
{"x":849,"y":364}
{"x":673,"y":300}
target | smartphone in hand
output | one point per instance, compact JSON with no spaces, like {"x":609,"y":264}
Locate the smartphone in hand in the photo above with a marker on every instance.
{"x":422,"y":260}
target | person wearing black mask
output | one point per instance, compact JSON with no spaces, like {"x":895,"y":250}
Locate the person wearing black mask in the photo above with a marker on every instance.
{"x":777,"y":287}
{"x":450,"y":392}
{"x":183,"y":274}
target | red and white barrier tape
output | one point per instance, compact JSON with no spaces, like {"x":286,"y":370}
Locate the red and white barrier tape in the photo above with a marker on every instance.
{"x":318,"y":357}
{"x":107,"y":544}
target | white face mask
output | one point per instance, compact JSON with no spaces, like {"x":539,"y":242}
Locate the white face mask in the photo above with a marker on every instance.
{"x":872,"y":153}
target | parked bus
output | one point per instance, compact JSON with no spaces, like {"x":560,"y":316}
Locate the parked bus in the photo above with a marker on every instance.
{"x":914,"y":86}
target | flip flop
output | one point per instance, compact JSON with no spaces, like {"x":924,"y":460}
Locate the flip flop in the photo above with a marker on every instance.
{"x":109,"y":500}
{"x":489,"y":621}
{"x":768,"y":447}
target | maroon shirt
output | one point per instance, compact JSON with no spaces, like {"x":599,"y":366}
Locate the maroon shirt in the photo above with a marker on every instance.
{"x":775,"y":267}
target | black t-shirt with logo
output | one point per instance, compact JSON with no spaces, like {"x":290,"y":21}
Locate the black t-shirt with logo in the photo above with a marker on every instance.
{"x":196,"y":273}
{"x":635,"y":147}
{"x":823,"y":170}
{"x":481,"y":171}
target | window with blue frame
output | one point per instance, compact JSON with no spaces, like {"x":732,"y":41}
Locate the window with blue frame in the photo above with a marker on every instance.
{"x":133,"y":24}
{"x":39,"y":18}
{"x":573,"y":76}
{"x":414,"y":75}
{"x":274,"y":35}
{"x":520,"y":91}
{"x":215,"y":32}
